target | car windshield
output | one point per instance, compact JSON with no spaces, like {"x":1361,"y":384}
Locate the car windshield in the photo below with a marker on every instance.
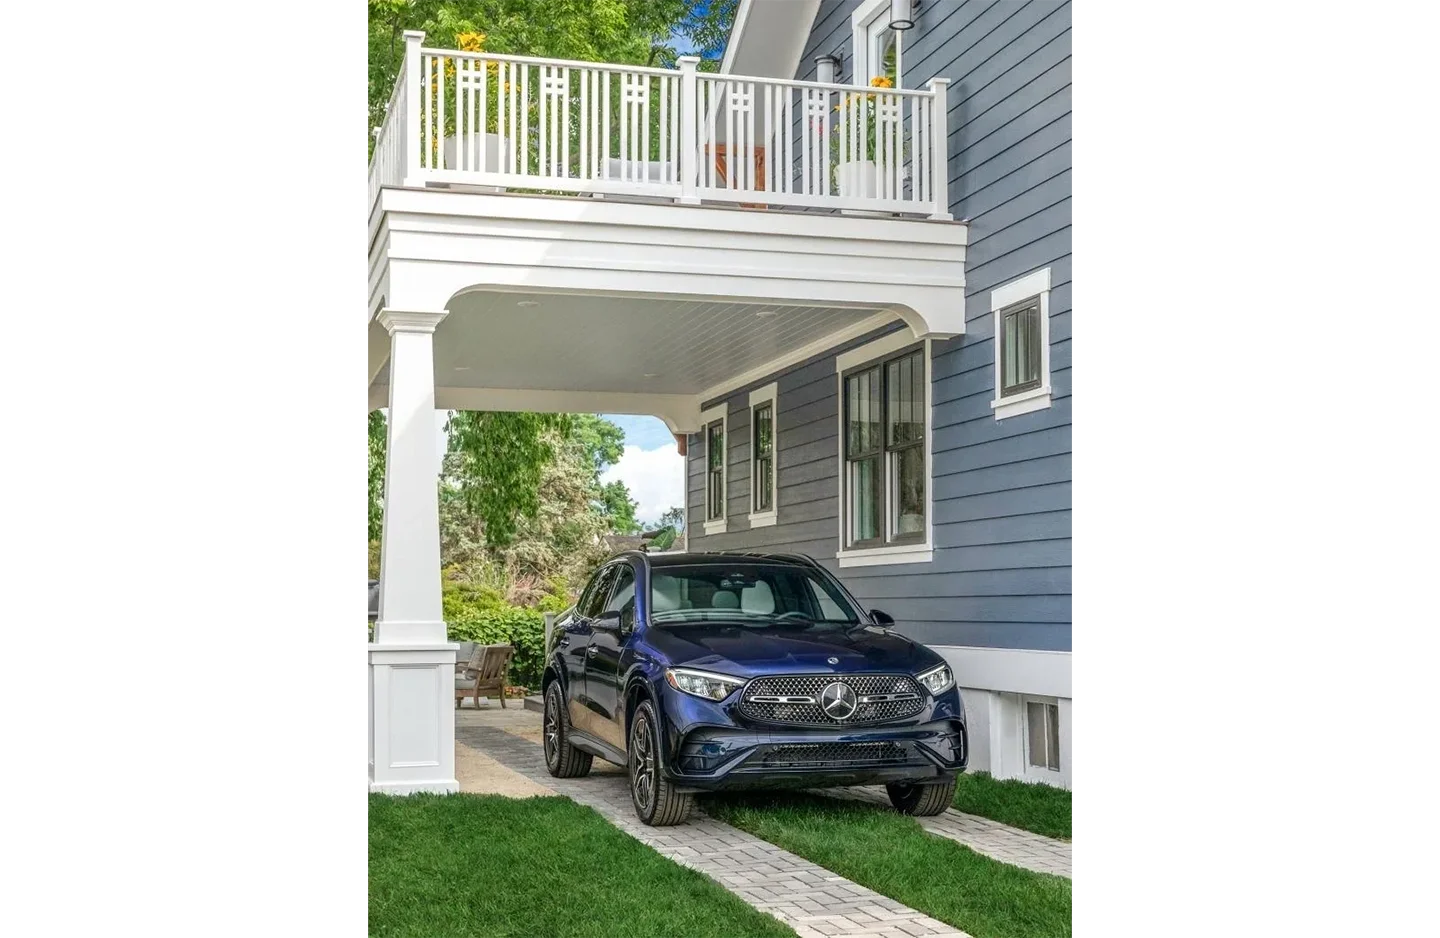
{"x":756,"y":595}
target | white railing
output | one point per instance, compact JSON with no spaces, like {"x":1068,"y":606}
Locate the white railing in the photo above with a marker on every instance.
{"x":512,"y":122}
{"x":386,"y":167}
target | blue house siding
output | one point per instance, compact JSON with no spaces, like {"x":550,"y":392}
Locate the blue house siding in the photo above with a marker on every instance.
{"x":1001,"y":490}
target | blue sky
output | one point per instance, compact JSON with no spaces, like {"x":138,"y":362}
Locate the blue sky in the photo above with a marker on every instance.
{"x":651,"y":468}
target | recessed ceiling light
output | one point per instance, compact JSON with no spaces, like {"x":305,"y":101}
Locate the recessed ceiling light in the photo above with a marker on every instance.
{"x":652,"y":374}
{"x":767,"y":312}
{"x":528,"y":303}
{"x":461,"y":368}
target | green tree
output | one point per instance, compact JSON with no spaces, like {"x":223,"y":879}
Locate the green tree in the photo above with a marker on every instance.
{"x":618,"y":508}
{"x":673,"y":518}
{"x":495,"y":462}
{"x":377,"y":473}
{"x":635,"y":32}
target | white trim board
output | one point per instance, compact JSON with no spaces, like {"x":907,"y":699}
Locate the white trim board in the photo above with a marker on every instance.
{"x":768,"y":394}
{"x":1036,"y":284}
{"x":720,"y":412}
{"x":922,"y":552}
{"x":1010,"y":670}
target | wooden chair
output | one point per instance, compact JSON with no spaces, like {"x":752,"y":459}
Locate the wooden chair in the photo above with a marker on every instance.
{"x":486,"y":673}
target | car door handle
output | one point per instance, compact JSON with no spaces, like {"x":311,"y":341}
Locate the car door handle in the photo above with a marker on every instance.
{"x":564,"y":640}
{"x":592,"y":650}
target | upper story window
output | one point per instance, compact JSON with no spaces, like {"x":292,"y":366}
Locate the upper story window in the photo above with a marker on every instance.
{"x":1021,"y":312}
{"x":715,"y":420}
{"x":885,"y":452}
{"x":762,"y":456}
{"x":877,"y":47}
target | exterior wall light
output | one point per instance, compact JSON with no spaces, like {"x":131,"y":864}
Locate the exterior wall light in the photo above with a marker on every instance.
{"x":827,"y":68}
{"x":902,"y":14}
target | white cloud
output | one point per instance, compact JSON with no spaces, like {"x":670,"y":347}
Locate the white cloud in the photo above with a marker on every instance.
{"x":654,"y":478}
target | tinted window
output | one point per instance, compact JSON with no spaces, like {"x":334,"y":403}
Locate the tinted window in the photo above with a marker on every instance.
{"x":594,"y":599}
{"x":623,"y":597}
{"x":751,"y":594}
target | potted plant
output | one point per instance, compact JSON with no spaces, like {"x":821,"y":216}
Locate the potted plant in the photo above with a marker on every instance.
{"x":853,"y":149}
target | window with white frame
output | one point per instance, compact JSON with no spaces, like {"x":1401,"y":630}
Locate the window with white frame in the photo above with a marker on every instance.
{"x":714,"y":421}
{"x":762,"y":456}
{"x":1021,"y":311}
{"x":885,"y":452}
{"x":877,"y":47}
{"x":1042,"y":736}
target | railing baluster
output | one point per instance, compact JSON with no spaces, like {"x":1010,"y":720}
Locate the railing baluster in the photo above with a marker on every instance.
{"x":440,"y":115}
{"x":824,"y":167}
{"x":524,"y":142}
{"x":644,"y":84}
{"x":662,"y":85}
{"x":605,"y":125}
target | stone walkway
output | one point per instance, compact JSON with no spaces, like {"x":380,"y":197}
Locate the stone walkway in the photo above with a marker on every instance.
{"x":999,"y":841}
{"x":808,"y":898}
{"x":995,"y":840}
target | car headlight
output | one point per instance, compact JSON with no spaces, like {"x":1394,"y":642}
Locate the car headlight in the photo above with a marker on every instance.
{"x":937,"y":679}
{"x":702,"y":683}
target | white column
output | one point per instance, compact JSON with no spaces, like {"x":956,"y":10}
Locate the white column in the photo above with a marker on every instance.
{"x":940,"y":149}
{"x":412,"y":665}
{"x":689,"y":138}
{"x":410,"y":141}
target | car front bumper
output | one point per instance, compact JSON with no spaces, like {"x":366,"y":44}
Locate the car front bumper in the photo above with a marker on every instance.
{"x":709,"y":750}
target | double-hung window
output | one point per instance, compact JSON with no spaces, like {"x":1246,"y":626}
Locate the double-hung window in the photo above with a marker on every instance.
{"x":1021,"y":311}
{"x":714,"y":421}
{"x":885,"y":475}
{"x":762,"y":456}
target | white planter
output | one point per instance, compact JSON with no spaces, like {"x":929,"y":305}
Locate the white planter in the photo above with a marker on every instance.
{"x":640,"y":171}
{"x":856,"y":180}
{"x":488,"y":145}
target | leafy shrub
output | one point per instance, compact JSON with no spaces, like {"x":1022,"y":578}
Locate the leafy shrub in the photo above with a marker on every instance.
{"x":523,"y":629}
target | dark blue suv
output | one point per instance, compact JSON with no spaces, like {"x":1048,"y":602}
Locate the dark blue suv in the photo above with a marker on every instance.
{"x":703,"y":672}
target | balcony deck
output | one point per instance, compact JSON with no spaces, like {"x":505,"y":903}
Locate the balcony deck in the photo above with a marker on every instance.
{"x":503,"y":123}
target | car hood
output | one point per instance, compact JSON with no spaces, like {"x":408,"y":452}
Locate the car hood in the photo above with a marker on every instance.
{"x":752,"y":652}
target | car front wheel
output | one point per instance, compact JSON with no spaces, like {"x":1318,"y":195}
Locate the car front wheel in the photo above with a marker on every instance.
{"x":921,"y":800}
{"x":656,"y":801}
{"x":562,"y":759}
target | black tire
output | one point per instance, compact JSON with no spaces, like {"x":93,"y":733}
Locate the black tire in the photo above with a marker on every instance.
{"x":656,"y":801}
{"x":921,"y":800}
{"x":562,"y":759}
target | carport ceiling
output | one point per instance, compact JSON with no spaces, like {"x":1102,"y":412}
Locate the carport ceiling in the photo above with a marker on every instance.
{"x":567,"y":342}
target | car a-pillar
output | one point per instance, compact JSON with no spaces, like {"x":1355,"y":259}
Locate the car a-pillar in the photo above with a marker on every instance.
{"x":412,"y":664}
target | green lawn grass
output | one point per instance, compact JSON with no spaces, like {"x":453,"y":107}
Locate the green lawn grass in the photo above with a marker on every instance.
{"x":1043,"y":809}
{"x":891,"y":854}
{"x":484,"y":866}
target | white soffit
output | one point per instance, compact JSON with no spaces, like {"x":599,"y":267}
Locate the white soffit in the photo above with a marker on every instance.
{"x":574,"y":342}
{"x":768,"y":37}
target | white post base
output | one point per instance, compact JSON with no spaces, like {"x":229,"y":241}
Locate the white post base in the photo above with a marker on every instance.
{"x":412,"y":718}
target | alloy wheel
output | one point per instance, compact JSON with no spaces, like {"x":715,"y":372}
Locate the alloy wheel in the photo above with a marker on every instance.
{"x":642,"y":763}
{"x":552,"y":728}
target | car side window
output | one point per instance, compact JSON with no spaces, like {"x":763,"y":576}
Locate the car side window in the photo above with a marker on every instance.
{"x":622,"y":598}
{"x":594,"y":599}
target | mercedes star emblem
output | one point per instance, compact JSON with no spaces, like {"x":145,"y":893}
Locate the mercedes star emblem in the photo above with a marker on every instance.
{"x":838,"y":701}
{"x":832,"y":660}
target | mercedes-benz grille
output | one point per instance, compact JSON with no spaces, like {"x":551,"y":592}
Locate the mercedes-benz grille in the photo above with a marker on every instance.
{"x":796,"y":699}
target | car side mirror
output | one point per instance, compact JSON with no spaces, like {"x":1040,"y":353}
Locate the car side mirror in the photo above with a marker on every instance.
{"x":609,"y":619}
{"x":883,"y":619}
